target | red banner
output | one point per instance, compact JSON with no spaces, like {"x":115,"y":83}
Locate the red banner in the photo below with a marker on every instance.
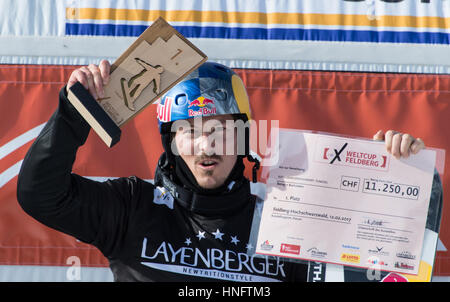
{"x":357,"y":104}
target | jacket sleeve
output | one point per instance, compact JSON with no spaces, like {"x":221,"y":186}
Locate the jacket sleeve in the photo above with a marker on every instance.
{"x":94,"y":212}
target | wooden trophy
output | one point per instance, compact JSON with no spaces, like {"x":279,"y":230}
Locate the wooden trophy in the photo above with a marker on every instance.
{"x":154,"y":63}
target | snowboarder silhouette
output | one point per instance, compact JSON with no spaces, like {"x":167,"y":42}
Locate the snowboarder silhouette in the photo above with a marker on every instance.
{"x":133,"y":88}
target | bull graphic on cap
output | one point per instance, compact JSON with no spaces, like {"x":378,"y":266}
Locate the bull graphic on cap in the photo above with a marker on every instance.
{"x":200,"y":102}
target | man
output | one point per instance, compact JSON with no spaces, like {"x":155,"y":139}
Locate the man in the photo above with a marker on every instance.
{"x":194,"y":223}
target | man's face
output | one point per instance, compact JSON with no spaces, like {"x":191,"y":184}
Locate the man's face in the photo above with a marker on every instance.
{"x":203,"y":147}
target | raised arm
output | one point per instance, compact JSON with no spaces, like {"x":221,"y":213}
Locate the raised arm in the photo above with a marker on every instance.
{"x":49,"y":191}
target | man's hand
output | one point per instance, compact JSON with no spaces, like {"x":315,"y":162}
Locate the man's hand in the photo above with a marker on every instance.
{"x":399,"y":144}
{"x":92,"y":77}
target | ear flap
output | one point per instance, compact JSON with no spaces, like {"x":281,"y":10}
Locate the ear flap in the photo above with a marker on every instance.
{"x":166,"y":140}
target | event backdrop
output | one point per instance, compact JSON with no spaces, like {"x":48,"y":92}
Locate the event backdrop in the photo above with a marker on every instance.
{"x":342,"y":66}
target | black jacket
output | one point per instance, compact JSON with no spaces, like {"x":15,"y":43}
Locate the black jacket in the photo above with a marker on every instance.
{"x":145,"y":233}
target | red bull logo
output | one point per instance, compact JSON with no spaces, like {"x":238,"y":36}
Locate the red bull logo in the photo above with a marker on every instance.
{"x":200,"y":102}
{"x":164,"y":111}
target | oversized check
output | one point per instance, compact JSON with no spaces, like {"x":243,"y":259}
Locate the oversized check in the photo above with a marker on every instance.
{"x":346,"y":201}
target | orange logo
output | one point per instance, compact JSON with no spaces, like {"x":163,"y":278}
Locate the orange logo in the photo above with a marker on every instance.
{"x":350,"y":258}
